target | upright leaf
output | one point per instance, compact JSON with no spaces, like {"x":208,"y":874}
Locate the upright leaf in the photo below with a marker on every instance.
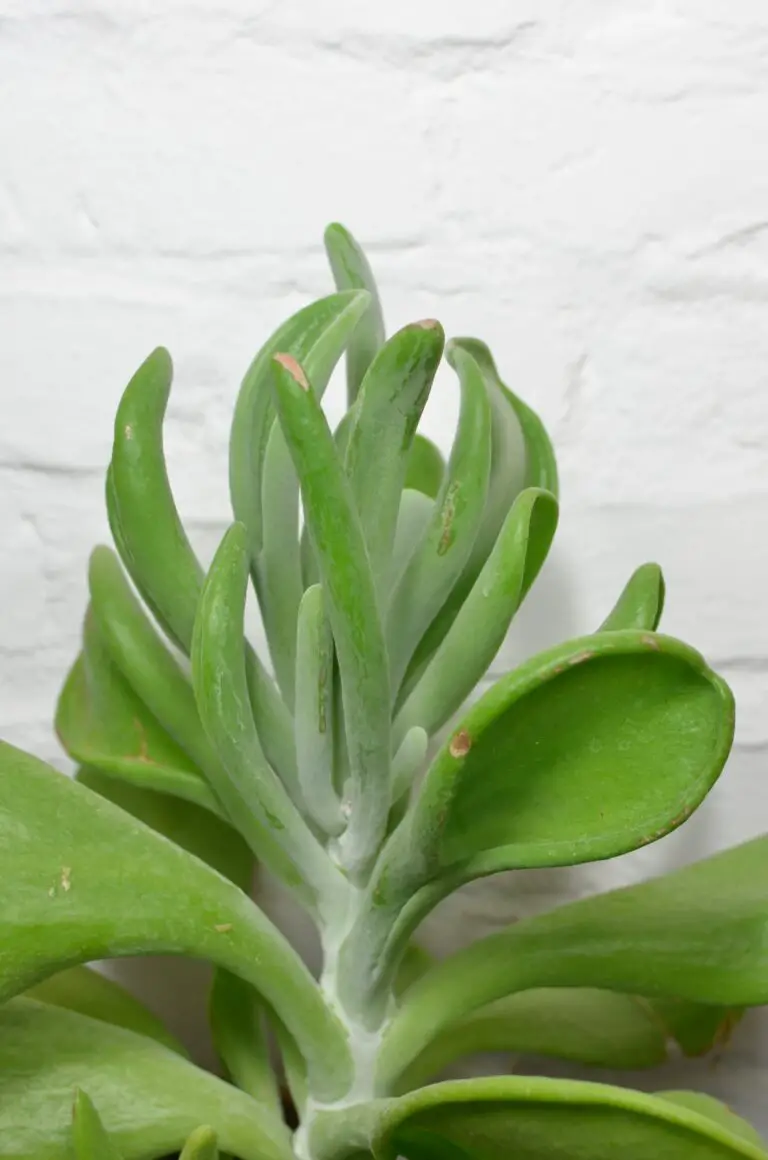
{"x":201,"y":1145}
{"x":641,"y":603}
{"x":85,"y":881}
{"x":351,"y":271}
{"x":315,"y":713}
{"x":239,"y":1035}
{"x":426,"y":467}
{"x":89,"y":1139}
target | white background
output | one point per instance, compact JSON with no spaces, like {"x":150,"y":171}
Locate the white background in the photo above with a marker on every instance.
{"x":582,"y":184}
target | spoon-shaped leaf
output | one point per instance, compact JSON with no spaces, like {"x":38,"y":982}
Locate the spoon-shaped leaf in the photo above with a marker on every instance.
{"x":384,"y":420}
{"x":239,"y":1036}
{"x":252,"y":794}
{"x":641,"y":603}
{"x":201,"y":1145}
{"x":426,"y":467}
{"x":477,"y":633}
{"x":700,"y":934}
{"x":153,"y":544}
{"x":530,"y":1118}
{"x":582,"y":1025}
{"x":89,"y":1138}
{"x":441,"y":556}
{"x":351,"y":271}
{"x":148,"y":1098}
{"x":89,"y":993}
{"x":102,"y":723}
{"x":351,"y":605}
{"x":85,"y":881}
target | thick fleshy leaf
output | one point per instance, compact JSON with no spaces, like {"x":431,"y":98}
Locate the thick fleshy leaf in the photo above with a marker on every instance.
{"x":530,"y":1118}
{"x":201,"y":1145}
{"x":351,"y":605}
{"x":641,"y":603}
{"x":85,"y":881}
{"x":154,"y":547}
{"x":697,"y":1028}
{"x":426,"y":467}
{"x":239,"y":1036}
{"x":201,"y":833}
{"x":715,"y":1110}
{"x":89,"y":993}
{"x":414,"y":516}
{"x":252,"y":794}
{"x":314,"y":714}
{"x":383,"y":424}
{"x":351,"y":271}
{"x":582,"y":1025}
{"x":89,"y":1137}
{"x":479,"y":629}
{"x":699,"y":934}
{"x":149,"y":1099}
{"x":442,"y":554}
{"x":277,"y":568}
{"x":101,"y":722}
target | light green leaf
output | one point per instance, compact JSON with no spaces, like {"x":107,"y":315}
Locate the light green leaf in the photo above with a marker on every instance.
{"x":351,"y":271}
{"x":201,"y":833}
{"x":699,"y":934}
{"x":697,"y":1028}
{"x":252,"y":794}
{"x":89,"y":1139}
{"x":582,"y":1025}
{"x":149,"y":1098}
{"x":528,"y":1118}
{"x":85,"y":881}
{"x":102,"y":723}
{"x":239,"y":1036}
{"x":426,"y":467}
{"x":479,"y":629}
{"x":351,"y":605}
{"x":153,"y":544}
{"x":382,"y":427}
{"x":416,"y":510}
{"x":716,"y":1111}
{"x":90,"y":993}
{"x":442,"y":554}
{"x":314,"y":713}
{"x":201,"y":1145}
{"x":641,"y":603}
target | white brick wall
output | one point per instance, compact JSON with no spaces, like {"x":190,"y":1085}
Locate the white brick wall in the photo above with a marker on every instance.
{"x":583,"y":184}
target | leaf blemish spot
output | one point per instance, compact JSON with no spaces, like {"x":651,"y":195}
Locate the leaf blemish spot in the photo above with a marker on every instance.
{"x":294,"y":369}
{"x":428,"y":324}
{"x":460,"y":745}
{"x":581,"y":657}
{"x":223,"y":928}
{"x":651,"y":642}
{"x":66,"y":883}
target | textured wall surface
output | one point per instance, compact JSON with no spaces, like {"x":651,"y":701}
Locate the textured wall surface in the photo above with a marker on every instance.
{"x":582,"y":184}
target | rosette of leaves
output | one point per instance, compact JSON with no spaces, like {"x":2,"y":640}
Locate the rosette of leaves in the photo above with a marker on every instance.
{"x":345,"y":764}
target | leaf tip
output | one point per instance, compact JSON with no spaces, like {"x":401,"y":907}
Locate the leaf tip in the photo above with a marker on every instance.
{"x":294,"y":368}
{"x":460,"y":744}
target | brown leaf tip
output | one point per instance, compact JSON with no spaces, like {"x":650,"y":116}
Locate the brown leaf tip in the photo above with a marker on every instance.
{"x":294,"y":368}
{"x":428,"y":324}
{"x":460,"y":745}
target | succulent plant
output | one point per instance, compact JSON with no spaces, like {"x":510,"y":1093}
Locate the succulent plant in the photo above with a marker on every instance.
{"x":347,"y":767}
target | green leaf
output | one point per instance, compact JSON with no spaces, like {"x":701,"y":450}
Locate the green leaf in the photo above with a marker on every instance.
{"x":141,"y":656}
{"x":479,"y":629}
{"x":442,"y":554}
{"x":426,"y":467}
{"x":90,"y":993}
{"x":582,"y":1025}
{"x":149,"y":1098}
{"x":85,"y":881}
{"x":277,"y":569}
{"x":314,"y":713}
{"x":153,"y":544}
{"x":203,"y":834}
{"x":201,"y":1145}
{"x":239,"y":1036}
{"x":102,"y":723}
{"x":697,"y":1028}
{"x":351,"y":605}
{"x":89,"y":1139}
{"x":384,"y":420}
{"x":413,"y":519}
{"x":252,"y":794}
{"x":351,"y":271}
{"x":716,"y":1111}
{"x":699,"y":934}
{"x":640,"y":604}
{"x":529,"y":1118}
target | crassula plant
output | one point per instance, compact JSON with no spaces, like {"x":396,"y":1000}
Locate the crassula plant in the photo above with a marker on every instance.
{"x":347,"y":768}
